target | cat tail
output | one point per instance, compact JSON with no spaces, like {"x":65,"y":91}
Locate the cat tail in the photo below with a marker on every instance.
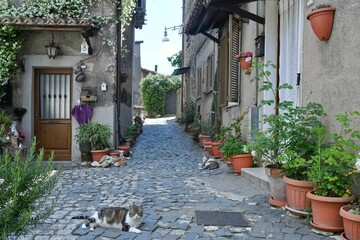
{"x":80,"y":217}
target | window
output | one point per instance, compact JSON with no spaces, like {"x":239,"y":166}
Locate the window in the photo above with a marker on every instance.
{"x":229,"y":66}
{"x":209,"y":72}
{"x":198,"y":81}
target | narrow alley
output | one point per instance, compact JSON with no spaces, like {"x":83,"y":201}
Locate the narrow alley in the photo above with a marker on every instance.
{"x":164,"y":175}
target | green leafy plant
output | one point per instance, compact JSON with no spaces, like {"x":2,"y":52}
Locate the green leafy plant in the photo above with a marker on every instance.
{"x":99,"y":135}
{"x":176,"y":59}
{"x":189,"y":112}
{"x":332,"y":167}
{"x":153,"y":91}
{"x":83,"y":134}
{"x":287,"y":135}
{"x":5,"y":119}
{"x":25,"y":184}
{"x":232,"y":147}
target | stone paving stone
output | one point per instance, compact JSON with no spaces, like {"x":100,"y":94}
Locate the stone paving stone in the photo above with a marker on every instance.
{"x":111,"y":233}
{"x":127,"y":236}
{"x":42,"y":237}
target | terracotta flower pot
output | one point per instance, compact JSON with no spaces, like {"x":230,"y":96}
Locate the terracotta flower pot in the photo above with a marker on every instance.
{"x":125,"y":148}
{"x":208,"y":148}
{"x":277,"y":186}
{"x":326,"y":212}
{"x":241,"y":161}
{"x":215,"y":149}
{"x":98,"y":154}
{"x":296,"y":193}
{"x":203,"y":139}
{"x":321,"y":21}
{"x":351,"y":223}
{"x":245,"y":65}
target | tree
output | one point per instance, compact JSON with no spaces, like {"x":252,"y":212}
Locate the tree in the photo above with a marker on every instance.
{"x":153,"y":91}
{"x":176,"y":60}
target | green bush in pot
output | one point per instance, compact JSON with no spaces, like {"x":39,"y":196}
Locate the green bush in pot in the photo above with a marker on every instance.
{"x":333,"y":165}
{"x":99,"y":135}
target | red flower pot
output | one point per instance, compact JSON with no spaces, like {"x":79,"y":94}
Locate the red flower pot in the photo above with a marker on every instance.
{"x":326,"y":212}
{"x":296,"y":193}
{"x":351,"y":223}
{"x":241,"y":161}
{"x":321,"y":21}
{"x":245,"y":65}
{"x":215,"y":149}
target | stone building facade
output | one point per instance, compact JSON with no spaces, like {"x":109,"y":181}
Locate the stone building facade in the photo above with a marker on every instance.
{"x":321,"y":71}
{"x":50,"y":88}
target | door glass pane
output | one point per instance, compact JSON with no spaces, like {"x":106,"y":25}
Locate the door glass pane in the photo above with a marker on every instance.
{"x":54,"y":93}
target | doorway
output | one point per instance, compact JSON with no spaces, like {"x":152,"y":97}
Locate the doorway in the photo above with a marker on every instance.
{"x":53,"y":90}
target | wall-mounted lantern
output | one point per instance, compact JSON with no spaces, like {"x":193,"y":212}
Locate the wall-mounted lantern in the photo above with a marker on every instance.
{"x":52,"y":50}
{"x":259,"y":45}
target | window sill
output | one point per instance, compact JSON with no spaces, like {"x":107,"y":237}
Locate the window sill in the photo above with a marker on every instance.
{"x":231,"y":105}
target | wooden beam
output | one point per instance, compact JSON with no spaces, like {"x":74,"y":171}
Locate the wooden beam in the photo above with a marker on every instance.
{"x":211,"y":37}
{"x":243,"y":13}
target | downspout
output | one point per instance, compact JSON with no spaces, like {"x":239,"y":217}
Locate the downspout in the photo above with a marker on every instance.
{"x":118,"y":74}
{"x":299,"y":59}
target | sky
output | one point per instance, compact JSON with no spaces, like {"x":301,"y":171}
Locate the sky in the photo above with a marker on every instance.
{"x":160,"y":14}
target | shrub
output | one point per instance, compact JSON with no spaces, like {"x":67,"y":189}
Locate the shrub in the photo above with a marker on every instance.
{"x":153,"y":91}
{"x":24,"y":187}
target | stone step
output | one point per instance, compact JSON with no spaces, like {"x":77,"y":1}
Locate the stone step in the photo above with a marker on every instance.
{"x":256,"y":176}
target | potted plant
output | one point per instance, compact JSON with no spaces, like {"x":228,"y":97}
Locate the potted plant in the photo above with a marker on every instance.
{"x":321,"y":20}
{"x":82,"y":113}
{"x":235,"y":147}
{"x":270,"y":144}
{"x":99,"y":139}
{"x":351,"y":213}
{"x":331,"y":170}
{"x":245,"y":59}
{"x":299,"y":124}
{"x":239,"y":154}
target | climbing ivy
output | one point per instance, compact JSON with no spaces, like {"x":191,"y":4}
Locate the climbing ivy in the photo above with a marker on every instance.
{"x":153,"y":92}
{"x":10,"y":44}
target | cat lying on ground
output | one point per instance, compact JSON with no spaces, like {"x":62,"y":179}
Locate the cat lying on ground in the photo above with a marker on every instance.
{"x":115,"y":217}
{"x":208,"y":162}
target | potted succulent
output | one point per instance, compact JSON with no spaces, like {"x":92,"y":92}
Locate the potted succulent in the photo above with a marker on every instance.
{"x":245,"y":59}
{"x":331,"y":170}
{"x":321,"y":20}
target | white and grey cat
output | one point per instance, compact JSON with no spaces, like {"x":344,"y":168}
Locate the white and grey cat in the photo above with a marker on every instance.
{"x":208,"y":162}
{"x":115,"y":217}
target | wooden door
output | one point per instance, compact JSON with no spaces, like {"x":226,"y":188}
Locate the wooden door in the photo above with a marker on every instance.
{"x":53,"y":90}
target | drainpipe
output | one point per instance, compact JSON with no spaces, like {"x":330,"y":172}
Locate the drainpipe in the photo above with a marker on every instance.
{"x":118,"y":75}
{"x":299,"y":59}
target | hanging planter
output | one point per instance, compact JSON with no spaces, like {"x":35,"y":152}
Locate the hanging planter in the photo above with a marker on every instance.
{"x":321,"y":20}
{"x":245,"y":59}
{"x":245,"y":65}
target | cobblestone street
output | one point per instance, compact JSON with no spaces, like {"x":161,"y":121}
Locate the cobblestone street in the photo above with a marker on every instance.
{"x":163,"y":174}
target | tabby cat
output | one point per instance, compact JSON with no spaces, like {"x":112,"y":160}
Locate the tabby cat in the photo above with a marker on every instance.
{"x":208,"y":162}
{"x":115,"y":217}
